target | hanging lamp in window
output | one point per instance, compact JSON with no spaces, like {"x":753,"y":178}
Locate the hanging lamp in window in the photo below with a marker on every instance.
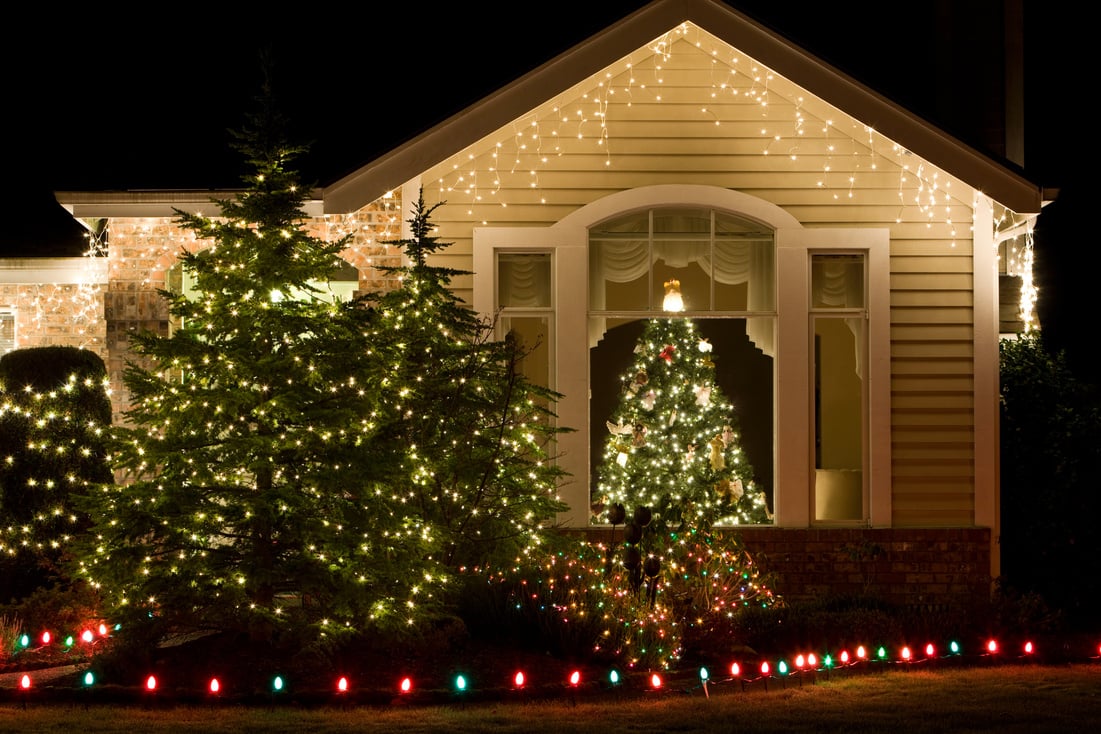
{"x":673,"y":300}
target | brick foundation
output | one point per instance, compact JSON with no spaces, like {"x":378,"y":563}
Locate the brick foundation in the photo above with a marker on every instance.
{"x":913,"y":567}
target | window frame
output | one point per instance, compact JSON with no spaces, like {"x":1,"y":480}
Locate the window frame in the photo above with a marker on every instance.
{"x":793,"y":481}
{"x":827,"y":313}
{"x":8,"y":313}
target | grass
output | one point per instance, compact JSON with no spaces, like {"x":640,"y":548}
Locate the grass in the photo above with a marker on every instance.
{"x":1004,"y":698}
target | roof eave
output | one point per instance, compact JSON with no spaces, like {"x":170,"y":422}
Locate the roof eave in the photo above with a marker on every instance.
{"x":142,"y":204}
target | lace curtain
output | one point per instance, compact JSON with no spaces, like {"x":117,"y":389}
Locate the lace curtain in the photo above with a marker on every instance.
{"x":730,"y":263}
{"x":838,"y":282}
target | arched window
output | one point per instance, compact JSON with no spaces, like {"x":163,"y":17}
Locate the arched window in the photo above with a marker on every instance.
{"x":720,"y":269}
{"x":795,"y":319}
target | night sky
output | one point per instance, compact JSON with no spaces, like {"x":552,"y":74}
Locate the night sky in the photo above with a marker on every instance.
{"x":95,"y":99}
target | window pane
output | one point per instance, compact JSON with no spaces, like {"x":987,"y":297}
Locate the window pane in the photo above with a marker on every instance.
{"x":7,"y":331}
{"x":838,"y":423}
{"x":685,"y":262}
{"x":533,"y":332}
{"x":524,"y":280}
{"x":745,"y":274}
{"x":619,"y":274}
{"x":837,"y":281}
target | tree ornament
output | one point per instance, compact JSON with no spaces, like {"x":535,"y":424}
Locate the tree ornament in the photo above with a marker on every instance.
{"x":730,"y":490}
{"x":648,"y":399}
{"x":717,"y":461}
{"x":622,"y":453}
{"x":619,"y":429}
{"x":667,"y":353}
{"x":703,"y":395}
{"x":728,"y":435}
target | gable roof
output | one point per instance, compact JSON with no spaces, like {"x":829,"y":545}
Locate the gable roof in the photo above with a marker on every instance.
{"x":407,"y":161}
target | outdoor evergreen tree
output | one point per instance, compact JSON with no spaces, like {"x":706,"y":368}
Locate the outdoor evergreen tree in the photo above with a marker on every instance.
{"x":474,"y":446}
{"x":55,"y":415}
{"x":672,"y":460}
{"x":251,"y":502}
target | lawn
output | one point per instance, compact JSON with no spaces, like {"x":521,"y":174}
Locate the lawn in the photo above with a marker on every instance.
{"x":998,"y":697}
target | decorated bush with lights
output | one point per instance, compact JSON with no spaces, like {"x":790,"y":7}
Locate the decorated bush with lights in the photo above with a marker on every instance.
{"x":55,"y":415}
{"x":583,"y":602}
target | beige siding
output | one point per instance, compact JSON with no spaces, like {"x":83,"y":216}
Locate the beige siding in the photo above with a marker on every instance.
{"x":835,"y":174}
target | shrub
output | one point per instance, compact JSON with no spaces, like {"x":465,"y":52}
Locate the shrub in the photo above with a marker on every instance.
{"x":1051,"y":458}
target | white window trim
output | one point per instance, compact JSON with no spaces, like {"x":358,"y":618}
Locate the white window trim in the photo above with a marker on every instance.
{"x":793,"y":248}
{"x":8,"y":312}
{"x":793,"y":479}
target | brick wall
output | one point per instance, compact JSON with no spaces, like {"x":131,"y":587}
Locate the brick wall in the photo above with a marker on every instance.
{"x":56,"y":314}
{"x":913,"y":567}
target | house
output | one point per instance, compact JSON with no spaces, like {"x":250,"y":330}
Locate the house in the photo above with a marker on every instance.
{"x":844,"y":257}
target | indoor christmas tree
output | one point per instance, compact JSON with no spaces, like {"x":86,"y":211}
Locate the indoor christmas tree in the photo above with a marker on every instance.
{"x":672,"y":458}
